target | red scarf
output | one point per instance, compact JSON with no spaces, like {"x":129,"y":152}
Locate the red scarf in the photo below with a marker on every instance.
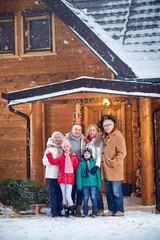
{"x":89,"y":138}
{"x":111,"y":131}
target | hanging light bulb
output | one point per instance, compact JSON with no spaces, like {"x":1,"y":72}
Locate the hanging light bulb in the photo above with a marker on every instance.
{"x":106,"y":102}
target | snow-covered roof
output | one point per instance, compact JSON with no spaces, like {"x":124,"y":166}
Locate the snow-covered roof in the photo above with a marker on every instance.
{"x":129,"y":28}
{"x":83,"y":84}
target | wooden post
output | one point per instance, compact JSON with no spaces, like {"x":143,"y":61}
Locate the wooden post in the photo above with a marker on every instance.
{"x":43,"y":137}
{"x":36,"y":142}
{"x":135,"y":138}
{"x":147,"y":155}
{"x":123,"y":130}
{"x":128,"y":138}
{"x":78,"y":113}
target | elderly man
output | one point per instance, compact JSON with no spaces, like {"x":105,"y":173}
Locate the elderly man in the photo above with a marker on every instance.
{"x":113,"y":154}
{"x":78,"y":143}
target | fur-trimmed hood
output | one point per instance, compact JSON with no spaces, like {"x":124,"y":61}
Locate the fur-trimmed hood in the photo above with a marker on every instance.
{"x":98,"y":141}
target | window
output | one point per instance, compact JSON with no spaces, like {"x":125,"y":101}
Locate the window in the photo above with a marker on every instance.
{"x":28,"y":33}
{"x":37,"y":31}
{"x":7,"y":38}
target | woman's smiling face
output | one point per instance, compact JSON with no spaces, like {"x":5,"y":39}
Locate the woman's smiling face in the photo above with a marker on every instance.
{"x":92,"y":131}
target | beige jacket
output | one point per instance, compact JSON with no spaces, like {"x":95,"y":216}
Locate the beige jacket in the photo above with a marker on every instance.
{"x":114,"y":147}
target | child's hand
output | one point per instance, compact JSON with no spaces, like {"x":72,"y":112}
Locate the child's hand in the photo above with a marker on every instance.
{"x":59,"y":155}
{"x":47,"y":152}
{"x":49,"y":146}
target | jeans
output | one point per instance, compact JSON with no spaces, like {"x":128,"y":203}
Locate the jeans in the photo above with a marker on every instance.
{"x":92,"y":192}
{"x":113,"y":191}
{"x":100,"y":204}
{"x":55,"y":195}
{"x":79,"y":199}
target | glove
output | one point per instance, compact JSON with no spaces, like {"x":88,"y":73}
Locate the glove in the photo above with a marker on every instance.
{"x":80,"y":189}
{"x":94,"y":170}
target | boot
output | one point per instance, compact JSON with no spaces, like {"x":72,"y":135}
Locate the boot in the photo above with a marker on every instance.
{"x":71,"y":211}
{"x":100,"y":213}
{"x":108,"y":214}
{"x":85,"y":210}
{"x":119,"y":214}
{"x":94,"y":210}
{"x":66,"y":209}
{"x":78,"y":210}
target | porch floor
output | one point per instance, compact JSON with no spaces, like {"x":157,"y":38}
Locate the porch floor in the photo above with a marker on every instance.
{"x":132,"y":203}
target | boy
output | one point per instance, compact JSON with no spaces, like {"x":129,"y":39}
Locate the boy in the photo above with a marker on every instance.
{"x":87,"y":182}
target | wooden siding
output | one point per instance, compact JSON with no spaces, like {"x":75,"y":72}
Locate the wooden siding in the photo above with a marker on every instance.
{"x":12,"y":142}
{"x":73,"y":59}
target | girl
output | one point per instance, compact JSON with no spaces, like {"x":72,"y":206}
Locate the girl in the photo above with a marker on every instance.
{"x":68,"y":163}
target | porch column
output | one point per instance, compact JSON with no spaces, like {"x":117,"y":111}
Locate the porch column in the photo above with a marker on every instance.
{"x":37,"y":171}
{"x":78,"y":113}
{"x":135,"y":138}
{"x":147,"y":154}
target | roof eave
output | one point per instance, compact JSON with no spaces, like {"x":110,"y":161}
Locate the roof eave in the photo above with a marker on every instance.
{"x":83,"y":84}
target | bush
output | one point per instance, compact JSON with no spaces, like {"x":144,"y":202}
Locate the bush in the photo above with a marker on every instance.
{"x":41,"y":195}
{"x":21,"y":193}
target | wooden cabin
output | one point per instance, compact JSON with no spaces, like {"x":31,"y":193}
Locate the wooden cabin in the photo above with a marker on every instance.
{"x":45,"y":44}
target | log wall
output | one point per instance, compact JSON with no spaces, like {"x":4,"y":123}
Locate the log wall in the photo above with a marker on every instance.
{"x":71,"y":60}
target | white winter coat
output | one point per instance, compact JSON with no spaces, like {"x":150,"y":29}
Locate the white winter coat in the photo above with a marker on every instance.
{"x":51,"y":170}
{"x":96,"y":145}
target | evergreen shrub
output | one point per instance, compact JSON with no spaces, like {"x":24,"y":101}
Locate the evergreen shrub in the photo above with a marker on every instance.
{"x":21,"y":193}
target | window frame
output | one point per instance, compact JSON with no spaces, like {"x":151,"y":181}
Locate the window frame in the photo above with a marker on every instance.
{"x":9,"y":17}
{"x":38,"y":15}
{"x":19,"y":35}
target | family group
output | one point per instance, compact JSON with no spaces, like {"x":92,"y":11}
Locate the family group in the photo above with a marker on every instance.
{"x":77,"y":164}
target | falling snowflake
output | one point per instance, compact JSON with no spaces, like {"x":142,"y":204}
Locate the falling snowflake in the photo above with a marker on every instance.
{"x":65,"y":42}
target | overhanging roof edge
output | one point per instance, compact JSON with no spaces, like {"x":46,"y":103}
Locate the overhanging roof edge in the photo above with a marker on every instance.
{"x":118,"y":87}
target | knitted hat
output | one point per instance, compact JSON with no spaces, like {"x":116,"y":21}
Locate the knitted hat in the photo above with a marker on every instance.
{"x":66,"y":143}
{"x":87,"y":149}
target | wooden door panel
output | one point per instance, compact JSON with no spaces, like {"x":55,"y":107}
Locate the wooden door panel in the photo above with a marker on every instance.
{"x":93,"y":114}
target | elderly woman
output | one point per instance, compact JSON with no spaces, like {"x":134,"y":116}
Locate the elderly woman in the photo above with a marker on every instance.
{"x":54,"y":145}
{"x":94,"y":141}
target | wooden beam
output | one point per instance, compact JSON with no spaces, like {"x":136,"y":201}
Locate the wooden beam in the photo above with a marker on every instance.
{"x":135,"y":138}
{"x":36,"y":142}
{"x":78,"y":113}
{"x":147,"y":156}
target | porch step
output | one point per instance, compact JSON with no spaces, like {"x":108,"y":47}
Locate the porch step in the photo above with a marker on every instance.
{"x":130,"y":204}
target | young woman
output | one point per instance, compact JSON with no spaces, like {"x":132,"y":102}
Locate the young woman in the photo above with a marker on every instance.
{"x":68,"y":163}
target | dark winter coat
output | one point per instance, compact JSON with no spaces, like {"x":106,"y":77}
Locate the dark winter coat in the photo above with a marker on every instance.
{"x":93,"y":180}
{"x":66,"y":178}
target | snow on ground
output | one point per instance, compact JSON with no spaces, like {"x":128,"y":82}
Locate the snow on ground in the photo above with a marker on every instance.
{"x":134,"y":225}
